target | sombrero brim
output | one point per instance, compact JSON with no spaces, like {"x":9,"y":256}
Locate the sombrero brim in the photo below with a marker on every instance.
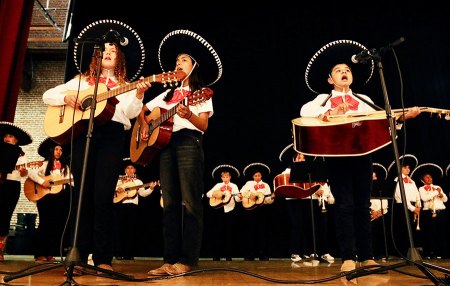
{"x":252,"y":168}
{"x":134,"y":50}
{"x":287,"y":154}
{"x":187,"y":42}
{"x":126,"y":162}
{"x":433,"y":169}
{"x":447,"y":170}
{"x":23,"y":137}
{"x":407,"y":159}
{"x":225,"y":168}
{"x":45,"y":147}
{"x":381,"y":171}
{"x":336,"y":52}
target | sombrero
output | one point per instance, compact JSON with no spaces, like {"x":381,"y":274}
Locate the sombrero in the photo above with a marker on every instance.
{"x":427,"y":168}
{"x":336,"y":52}
{"x":23,"y":137}
{"x":381,"y":171}
{"x":252,"y":168}
{"x":405,"y":160}
{"x":447,"y":172}
{"x":225,"y":168}
{"x":110,"y":30}
{"x":126,"y":162}
{"x":187,"y":42}
{"x":288,"y":154}
{"x":46,"y":146}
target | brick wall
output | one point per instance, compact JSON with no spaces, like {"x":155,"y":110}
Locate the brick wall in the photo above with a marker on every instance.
{"x":30,"y":114}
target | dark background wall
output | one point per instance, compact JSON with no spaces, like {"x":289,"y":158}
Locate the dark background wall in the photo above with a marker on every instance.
{"x":265,"y":48}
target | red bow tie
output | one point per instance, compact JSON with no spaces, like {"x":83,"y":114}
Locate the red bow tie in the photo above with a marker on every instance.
{"x":407,"y":180}
{"x":178,"y":96}
{"x":56,"y":165}
{"x":260,"y":186}
{"x":225,"y":188}
{"x":353,"y":103}
{"x":102,"y":79}
{"x":429,"y":188}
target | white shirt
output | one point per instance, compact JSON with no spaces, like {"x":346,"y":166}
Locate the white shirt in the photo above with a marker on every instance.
{"x":411,"y":193}
{"x":431,"y":200}
{"x":178,"y":122}
{"x":129,"y":105}
{"x":15,"y":174}
{"x":37,"y":175}
{"x":234,"y":190}
{"x":250,"y":187}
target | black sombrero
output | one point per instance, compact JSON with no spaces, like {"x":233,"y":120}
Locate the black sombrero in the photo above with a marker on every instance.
{"x":130,"y":43}
{"x":427,"y":168}
{"x":381,"y":171}
{"x":288,"y":154}
{"x":252,"y":168}
{"x":23,"y":137}
{"x":405,"y":160}
{"x":126,"y":162}
{"x":47,"y":145}
{"x":225,"y":168}
{"x":187,"y":42}
{"x":336,"y":52}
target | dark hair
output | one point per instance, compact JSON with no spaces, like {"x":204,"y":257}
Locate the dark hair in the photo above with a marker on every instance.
{"x":51,"y":160}
{"x":195,"y":81}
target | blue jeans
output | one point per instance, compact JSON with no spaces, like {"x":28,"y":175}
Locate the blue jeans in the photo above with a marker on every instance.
{"x":181,"y":175}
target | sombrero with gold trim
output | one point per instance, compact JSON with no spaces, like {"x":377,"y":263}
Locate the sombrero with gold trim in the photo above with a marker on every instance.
{"x":188,"y":42}
{"x":109,"y":30}
{"x":333,"y":53}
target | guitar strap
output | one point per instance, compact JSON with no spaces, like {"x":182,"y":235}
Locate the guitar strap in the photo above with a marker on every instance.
{"x":373,"y":105}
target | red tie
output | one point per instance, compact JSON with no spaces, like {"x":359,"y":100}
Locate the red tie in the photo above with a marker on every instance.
{"x":406,"y":180}
{"x":225,"y":188}
{"x":428,"y":188}
{"x":57,"y":165}
{"x":260,"y":186}
{"x":179,"y":95}
{"x":353,"y":103}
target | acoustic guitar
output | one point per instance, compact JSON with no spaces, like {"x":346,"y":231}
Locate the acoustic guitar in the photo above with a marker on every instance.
{"x":34,"y":192}
{"x":250,"y":202}
{"x":160,"y":129}
{"x":130,"y":190}
{"x":32,"y":165}
{"x":354,"y":134}
{"x":61,"y":120}
{"x":220,"y":198}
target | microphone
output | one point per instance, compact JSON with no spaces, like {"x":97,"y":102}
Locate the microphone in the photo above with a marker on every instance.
{"x":366,"y":55}
{"x":113,"y":36}
{"x":361,"y":57}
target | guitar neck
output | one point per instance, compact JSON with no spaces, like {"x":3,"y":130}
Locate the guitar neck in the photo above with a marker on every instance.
{"x":29,"y":165}
{"x":138,"y":187}
{"x":164,"y":77}
{"x":61,"y":182}
{"x":438,"y":111}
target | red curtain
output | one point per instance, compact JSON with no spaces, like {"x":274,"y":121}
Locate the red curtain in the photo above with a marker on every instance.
{"x":15,"y":21}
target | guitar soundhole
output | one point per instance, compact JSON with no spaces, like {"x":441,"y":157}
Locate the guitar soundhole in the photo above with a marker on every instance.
{"x":86,"y":103}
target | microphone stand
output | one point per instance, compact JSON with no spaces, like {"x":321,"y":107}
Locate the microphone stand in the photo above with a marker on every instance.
{"x":413,"y":256}
{"x":73,"y":257}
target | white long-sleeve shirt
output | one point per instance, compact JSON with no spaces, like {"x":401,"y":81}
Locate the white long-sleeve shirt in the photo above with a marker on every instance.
{"x":228,"y":207}
{"x":411,"y":193}
{"x":429,"y":197}
{"x":143,"y":192}
{"x":129,"y":105}
{"x":37,"y":175}
{"x":263,"y":187}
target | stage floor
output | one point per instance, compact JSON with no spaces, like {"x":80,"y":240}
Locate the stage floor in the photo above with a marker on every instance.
{"x":236,"y":272}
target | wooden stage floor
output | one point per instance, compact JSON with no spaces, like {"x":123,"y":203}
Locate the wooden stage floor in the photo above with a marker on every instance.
{"x":226,"y":273}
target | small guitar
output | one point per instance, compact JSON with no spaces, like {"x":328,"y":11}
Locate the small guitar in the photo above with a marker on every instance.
{"x":160,"y":129}
{"x":130,"y":190}
{"x":220,"y":198}
{"x":251,"y":200}
{"x":61,"y":120}
{"x":34,"y":192}
{"x":348,"y":134}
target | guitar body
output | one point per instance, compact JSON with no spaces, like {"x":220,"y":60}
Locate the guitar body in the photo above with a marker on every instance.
{"x":126,"y":194}
{"x":225,"y":197}
{"x":342,"y":136}
{"x":284,"y":188}
{"x":58,"y":119}
{"x":250,"y":203}
{"x":142,"y":152}
{"x":34,"y":192}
